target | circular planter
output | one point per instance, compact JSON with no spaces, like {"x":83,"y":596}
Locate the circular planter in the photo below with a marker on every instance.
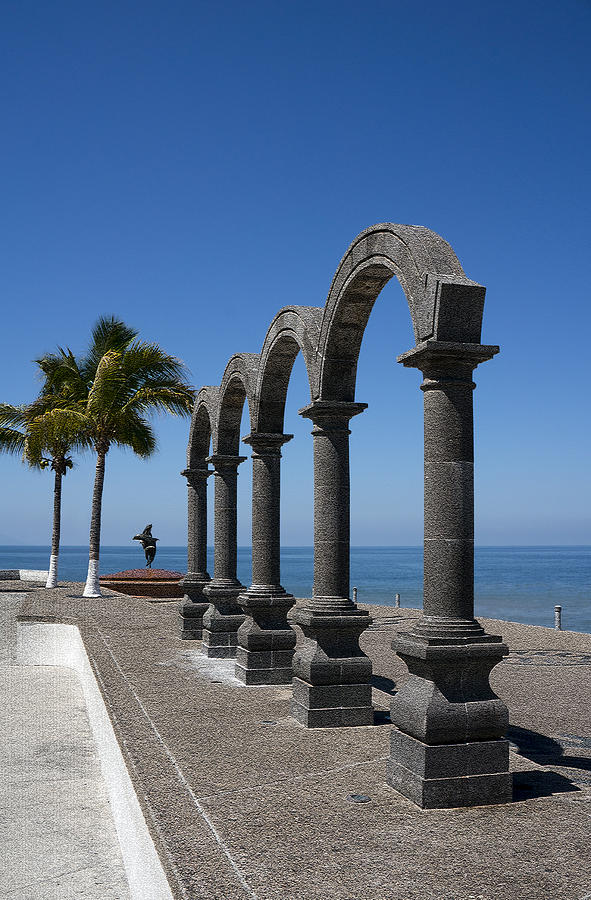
{"x":159,"y":583}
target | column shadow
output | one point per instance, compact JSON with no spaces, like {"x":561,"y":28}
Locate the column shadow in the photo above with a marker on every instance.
{"x":537,"y":783}
{"x":381,"y":683}
{"x":386,"y":686}
{"x":545,"y":751}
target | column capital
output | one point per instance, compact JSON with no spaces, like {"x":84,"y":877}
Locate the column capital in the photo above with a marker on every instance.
{"x":446,"y":356}
{"x":196,"y":473}
{"x":264,"y":444}
{"x":221,"y":461}
{"x":333,"y":413}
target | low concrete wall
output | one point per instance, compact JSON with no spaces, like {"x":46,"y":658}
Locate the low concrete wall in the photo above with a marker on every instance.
{"x":45,"y":644}
{"x":24,"y":575}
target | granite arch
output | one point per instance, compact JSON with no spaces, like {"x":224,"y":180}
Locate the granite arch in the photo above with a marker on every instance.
{"x":224,"y":617}
{"x":294,"y":329}
{"x":444,"y":304}
{"x":194,"y":604}
{"x":448,"y":748}
{"x":237,"y":386}
{"x":202,"y":422}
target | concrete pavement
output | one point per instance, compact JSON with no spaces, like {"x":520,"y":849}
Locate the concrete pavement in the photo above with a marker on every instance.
{"x":242,"y":801}
{"x":56,"y":832}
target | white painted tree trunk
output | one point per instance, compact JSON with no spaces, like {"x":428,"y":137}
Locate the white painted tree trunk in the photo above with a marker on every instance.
{"x":52,"y":577}
{"x":59,"y":468}
{"x":92,"y":586}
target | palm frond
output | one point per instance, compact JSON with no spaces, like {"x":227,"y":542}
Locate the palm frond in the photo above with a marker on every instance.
{"x":165,"y":396}
{"x":134,"y":432}
{"x":13,"y":416}
{"x":108,"y":334}
{"x":106,"y":397}
{"x":11,"y":441}
{"x":64,"y":399}
{"x":58,"y":431}
{"x":108,"y":390}
{"x":144,"y":361}
{"x":61,"y":373}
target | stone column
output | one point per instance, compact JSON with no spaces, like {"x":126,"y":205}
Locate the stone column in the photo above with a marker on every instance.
{"x":265,"y":640}
{"x":194,"y":604}
{"x":449,"y":749}
{"x":224,"y":617}
{"x":331,"y":673}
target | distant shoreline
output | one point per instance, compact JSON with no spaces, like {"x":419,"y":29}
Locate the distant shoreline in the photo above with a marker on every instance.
{"x":513,"y":583}
{"x":311,"y":546}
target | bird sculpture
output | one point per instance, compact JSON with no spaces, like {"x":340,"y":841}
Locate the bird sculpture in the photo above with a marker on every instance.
{"x":148,"y":543}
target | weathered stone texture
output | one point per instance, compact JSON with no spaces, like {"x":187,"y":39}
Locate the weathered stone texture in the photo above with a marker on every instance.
{"x":330,"y":654}
{"x":266,"y":640}
{"x":224,"y":617}
{"x":448,"y":748}
{"x":194,"y":604}
{"x":448,"y":699}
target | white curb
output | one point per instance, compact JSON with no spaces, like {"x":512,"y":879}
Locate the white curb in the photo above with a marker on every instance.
{"x":45,"y":644}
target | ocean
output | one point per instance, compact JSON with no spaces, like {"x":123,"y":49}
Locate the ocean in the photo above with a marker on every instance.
{"x":517,"y":584}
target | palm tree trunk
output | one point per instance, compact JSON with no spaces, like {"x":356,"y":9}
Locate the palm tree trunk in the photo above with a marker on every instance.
{"x":55,"y":534}
{"x":92,"y":587}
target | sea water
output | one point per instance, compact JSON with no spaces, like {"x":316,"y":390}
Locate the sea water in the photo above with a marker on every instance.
{"x":518,"y":584}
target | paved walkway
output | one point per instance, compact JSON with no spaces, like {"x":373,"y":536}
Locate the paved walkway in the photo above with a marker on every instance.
{"x":242,"y":802}
{"x":56,"y":833}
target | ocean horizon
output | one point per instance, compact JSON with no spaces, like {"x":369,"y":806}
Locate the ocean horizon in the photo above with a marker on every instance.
{"x":513,"y":583}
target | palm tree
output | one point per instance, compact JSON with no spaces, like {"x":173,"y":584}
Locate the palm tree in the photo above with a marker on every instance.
{"x":20,"y":434}
{"x":106,"y":399}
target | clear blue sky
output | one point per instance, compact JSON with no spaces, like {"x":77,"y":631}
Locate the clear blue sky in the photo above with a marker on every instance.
{"x":194,"y":166}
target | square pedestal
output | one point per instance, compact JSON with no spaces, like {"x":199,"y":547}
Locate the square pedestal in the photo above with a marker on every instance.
{"x":331,"y":705}
{"x":219,"y":644}
{"x":191,"y":619}
{"x":189,"y":631}
{"x":264,"y":666}
{"x":448,"y":775}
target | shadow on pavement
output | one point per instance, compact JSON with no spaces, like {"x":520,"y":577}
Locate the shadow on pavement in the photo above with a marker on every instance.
{"x":383,"y":684}
{"x":544,"y":750}
{"x":527,"y":785}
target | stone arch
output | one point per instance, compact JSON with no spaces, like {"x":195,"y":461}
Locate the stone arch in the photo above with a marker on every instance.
{"x":446,"y":650}
{"x":194,"y":603}
{"x":294,"y":329}
{"x":238,"y":384}
{"x":201,"y":431}
{"x":444,"y":304}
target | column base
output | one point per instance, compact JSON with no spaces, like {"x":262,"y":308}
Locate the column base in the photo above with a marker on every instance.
{"x":450,"y":748}
{"x":448,"y":698}
{"x":331,"y":672}
{"x":192,"y":608}
{"x":267,"y":667}
{"x":222,"y":620}
{"x":266,"y":641}
{"x":191,"y":620}
{"x":450,"y":775}
{"x":331,"y":705}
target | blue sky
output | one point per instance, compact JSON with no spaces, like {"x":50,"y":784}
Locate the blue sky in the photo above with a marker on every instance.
{"x":194,"y":166}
